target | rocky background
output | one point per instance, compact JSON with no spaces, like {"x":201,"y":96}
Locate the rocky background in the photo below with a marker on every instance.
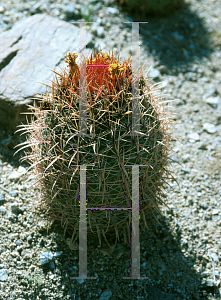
{"x":181,"y":257}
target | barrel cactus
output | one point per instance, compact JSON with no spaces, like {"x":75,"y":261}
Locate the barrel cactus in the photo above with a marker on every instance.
{"x":56,"y":150}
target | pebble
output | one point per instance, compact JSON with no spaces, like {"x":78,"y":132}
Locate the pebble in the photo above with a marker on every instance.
{"x":3,"y":275}
{"x":3,"y":210}
{"x":213,"y":102}
{"x":16,"y":208}
{"x":154,"y":73}
{"x":106,"y":295}
{"x":100,"y":32}
{"x":194,"y":136}
{"x":210,"y":128}
{"x":46,"y":257}
{"x":2,"y":199}
{"x":15,"y":176}
{"x":71,"y":11}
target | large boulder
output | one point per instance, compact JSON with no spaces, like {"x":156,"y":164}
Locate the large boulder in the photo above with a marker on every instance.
{"x":27,"y":53}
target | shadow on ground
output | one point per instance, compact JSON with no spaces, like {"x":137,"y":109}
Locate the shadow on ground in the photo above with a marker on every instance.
{"x":176,"y":39}
{"x":161,"y":259}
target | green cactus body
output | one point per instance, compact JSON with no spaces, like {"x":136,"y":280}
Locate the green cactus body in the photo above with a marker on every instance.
{"x":57,"y":150}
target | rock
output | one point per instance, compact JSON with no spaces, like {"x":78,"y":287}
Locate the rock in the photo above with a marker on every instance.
{"x":71,"y":12}
{"x":213,"y":101}
{"x":58,"y":253}
{"x":100,"y":31}
{"x":100,"y":45}
{"x":52,"y":265}
{"x":203,"y":146}
{"x":210,"y":91}
{"x":186,"y":158}
{"x":3,"y":275}
{"x":27,"y":53}
{"x":163,"y":83}
{"x":106,"y":295}
{"x":2,"y":9}
{"x":163,"y":69}
{"x":210,"y":128}
{"x":214,"y":256}
{"x":178,"y":102}
{"x":194,"y":136}
{"x":2,"y":199}
{"x":15,"y":208}
{"x":185,"y":170}
{"x":15,"y":176}
{"x":112,"y":10}
{"x":46,"y":257}
{"x":209,"y":282}
{"x":154,"y":73}
{"x":7,"y":141}
{"x":3,"y":210}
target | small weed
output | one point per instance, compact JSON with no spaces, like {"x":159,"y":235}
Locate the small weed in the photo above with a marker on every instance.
{"x":88,"y":12}
{"x":36,"y":279}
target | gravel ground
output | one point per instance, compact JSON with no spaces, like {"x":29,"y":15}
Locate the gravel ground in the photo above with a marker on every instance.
{"x":181,"y":257}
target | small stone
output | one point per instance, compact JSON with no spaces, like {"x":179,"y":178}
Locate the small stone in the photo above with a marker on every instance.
{"x":100,"y":31}
{"x":194,"y":136}
{"x":3,"y":275}
{"x":190,"y":76}
{"x":100,"y":45}
{"x":203,"y":147}
{"x":178,"y":102}
{"x":2,"y":199}
{"x":163,"y":83}
{"x":213,"y":101}
{"x":17,"y":174}
{"x":52,"y":265}
{"x":70,"y":11}
{"x":209,"y":282}
{"x":153,"y":73}
{"x":106,"y":295}
{"x":7,"y":141}
{"x":58,"y":253}
{"x":13,"y":193}
{"x":218,"y":121}
{"x":163,"y":69}
{"x":15,"y":208}
{"x":214,"y":256}
{"x":80,"y":281}
{"x":29,"y":239}
{"x":112,"y":10}
{"x":15,"y":254}
{"x":2,"y":9}
{"x":185,"y":170}
{"x":14,"y":176}
{"x":186,"y":158}
{"x":46,"y":257}
{"x":210,"y":128}
{"x":21,"y":170}
{"x":177,"y":36}
{"x":210,"y":91}
{"x":3,"y":210}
